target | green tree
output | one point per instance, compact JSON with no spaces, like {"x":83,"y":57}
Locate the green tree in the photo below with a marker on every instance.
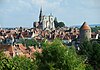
{"x":95,"y":58}
{"x":5,"y":62}
{"x":91,"y":52}
{"x":95,"y":29}
{"x":16,"y":63}
{"x":56,"y":56}
{"x":61,"y":24}
{"x":28,"y":42}
{"x":58,"y":24}
{"x":23,"y":63}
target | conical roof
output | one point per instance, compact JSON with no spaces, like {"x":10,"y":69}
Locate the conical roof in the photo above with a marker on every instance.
{"x":85,"y":26}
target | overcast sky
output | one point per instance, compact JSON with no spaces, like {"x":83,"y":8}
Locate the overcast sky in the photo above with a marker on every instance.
{"x":15,"y":13}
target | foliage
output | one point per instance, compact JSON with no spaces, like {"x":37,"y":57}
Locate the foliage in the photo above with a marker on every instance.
{"x":56,"y":56}
{"x":98,"y":40}
{"x":23,"y":63}
{"x":88,"y":67}
{"x":4,"y":62}
{"x":95,"y":58}
{"x":28,"y":42}
{"x":91,"y":51}
{"x":58,"y":24}
{"x":16,"y":63}
{"x":31,"y":42}
{"x":61,"y":24}
{"x":95,"y":29}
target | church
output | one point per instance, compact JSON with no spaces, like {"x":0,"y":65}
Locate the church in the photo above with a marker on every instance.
{"x":45,"y":22}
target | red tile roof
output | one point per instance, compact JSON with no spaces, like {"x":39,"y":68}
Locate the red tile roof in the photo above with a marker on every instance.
{"x":85,"y":26}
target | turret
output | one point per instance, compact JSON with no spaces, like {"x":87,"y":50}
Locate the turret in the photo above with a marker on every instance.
{"x":85,"y":32}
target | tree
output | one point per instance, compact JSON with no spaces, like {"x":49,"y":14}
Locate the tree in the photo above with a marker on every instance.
{"x":5,"y":62}
{"x":28,"y":42}
{"x":23,"y":63}
{"x":91,"y":52}
{"x":56,"y":56}
{"x":61,"y":24}
{"x":58,"y":24}
{"x":95,"y":29}
{"x":95,"y":58}
{"x":16,"y":63}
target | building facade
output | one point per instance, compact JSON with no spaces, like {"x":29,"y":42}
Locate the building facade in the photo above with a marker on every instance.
{"x":46,"y":22}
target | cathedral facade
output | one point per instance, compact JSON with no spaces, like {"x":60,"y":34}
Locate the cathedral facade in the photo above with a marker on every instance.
{"x":46,"y":22}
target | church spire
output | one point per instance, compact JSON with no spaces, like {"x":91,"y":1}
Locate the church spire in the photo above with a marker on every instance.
{"x":41,"y":9}
{"x":40,"y":15}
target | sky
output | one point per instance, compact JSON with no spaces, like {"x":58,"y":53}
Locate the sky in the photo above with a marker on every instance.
{"x":16,"y":13}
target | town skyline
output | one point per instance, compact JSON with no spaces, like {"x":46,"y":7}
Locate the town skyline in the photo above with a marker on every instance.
{"x":24,"y":13}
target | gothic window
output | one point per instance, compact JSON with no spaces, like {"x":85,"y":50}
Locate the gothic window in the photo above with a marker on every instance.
{"x":51,"y":18}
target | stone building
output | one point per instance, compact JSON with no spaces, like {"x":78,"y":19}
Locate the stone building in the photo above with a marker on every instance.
{"x":85,"y":32}
{"x":46,"y":22}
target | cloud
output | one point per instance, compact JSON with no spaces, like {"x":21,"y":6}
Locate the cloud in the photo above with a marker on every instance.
{"x":47,"y":3}
{"x":25,"y":4}
{"x":92,"y":4}
{"x":11,"y":6}
{"x":71,"y":11}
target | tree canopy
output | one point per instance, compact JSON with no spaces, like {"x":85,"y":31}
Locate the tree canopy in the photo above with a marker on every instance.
{"x":91,"y":51}
{"x":56,"y":56}
{"x":58,"y":24}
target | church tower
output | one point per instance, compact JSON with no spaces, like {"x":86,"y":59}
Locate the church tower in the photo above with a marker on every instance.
{"x":40,"y":15}
{"x":46,"y":22}
{"x":85,"y":32}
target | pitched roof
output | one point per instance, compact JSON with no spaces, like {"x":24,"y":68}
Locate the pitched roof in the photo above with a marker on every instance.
{"x":85,"y":26}
{"x":6,"y":47}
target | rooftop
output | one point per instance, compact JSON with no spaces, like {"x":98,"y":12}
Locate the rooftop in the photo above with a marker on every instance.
{"x":85,"y":26}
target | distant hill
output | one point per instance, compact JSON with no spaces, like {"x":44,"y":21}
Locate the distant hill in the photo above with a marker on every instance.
{"x":94,"y":24}
{"x":91,"y":25}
